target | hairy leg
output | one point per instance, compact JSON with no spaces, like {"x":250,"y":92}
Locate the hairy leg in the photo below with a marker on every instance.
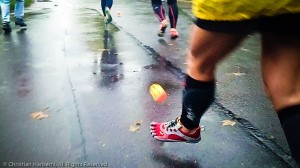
{"x":281,"y":69}
{"x":281,"y":74}
{"x":206,"y":50}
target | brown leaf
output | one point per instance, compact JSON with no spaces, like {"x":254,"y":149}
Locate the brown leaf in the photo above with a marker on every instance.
{"x":39,"y":115}
{"x":228,"y":122}
{"x":119,"y":13}
{"x":135,"y":127}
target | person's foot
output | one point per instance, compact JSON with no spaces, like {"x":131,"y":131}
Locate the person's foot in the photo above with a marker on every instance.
{"x":171,"y":132}
{"x":162,"y":28}
{"x":6,"y":27}
{"x":174,"y":33}
{"x":108,"y":18}
{"x":20,"y":22}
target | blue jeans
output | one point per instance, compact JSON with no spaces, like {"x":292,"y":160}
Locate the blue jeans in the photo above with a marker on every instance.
{"x":5,"y":9}
{"x":106,"y":3}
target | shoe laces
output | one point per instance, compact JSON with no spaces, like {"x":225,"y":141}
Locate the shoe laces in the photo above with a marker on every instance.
{"x":171,"y":125}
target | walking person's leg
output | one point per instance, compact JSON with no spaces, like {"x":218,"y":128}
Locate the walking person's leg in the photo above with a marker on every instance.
{"x":19,"y":9}
{"x":281,"y":74}
{"x":103,"y":5}
{"x":19,"y":14}
{"x":206,"y":50}
{"x":106,"y":5}
{"x":159,"y":11}
{"x":5,"y":11}
{"x":109,"y":3}
{"x":173,"y":16}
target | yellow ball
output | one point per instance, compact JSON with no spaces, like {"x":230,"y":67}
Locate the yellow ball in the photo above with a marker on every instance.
{"x":158,"y":93}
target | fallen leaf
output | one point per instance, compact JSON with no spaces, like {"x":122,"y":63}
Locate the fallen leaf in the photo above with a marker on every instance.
{"x":228,"y":122}
{"x":135,"y":127}
{"x":244,"y":49}
{"x":39,"y":115}
{"x":236,"y":74}
{"x":271,"y":137}
{"x":119,"y":13}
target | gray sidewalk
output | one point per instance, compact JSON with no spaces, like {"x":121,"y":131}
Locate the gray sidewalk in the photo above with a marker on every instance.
{"x":59,"y":68}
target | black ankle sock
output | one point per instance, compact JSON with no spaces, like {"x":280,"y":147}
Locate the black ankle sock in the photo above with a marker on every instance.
{"x":290,"y":121}
{"x":197,"y":97}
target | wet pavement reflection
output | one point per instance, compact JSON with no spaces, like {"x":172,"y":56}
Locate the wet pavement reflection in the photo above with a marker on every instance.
{"x":111,"y":68}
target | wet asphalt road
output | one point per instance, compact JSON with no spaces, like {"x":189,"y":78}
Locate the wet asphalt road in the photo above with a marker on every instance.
{"x":92,"y":80}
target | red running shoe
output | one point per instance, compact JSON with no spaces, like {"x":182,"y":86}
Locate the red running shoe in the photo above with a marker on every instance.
{"x":170,"y":132}
{"x":174,"y":33}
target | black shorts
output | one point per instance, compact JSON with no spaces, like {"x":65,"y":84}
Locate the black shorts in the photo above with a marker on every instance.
{"x":286,"y":24}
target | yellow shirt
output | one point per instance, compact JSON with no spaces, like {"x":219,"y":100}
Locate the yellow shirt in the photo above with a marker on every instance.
{"x":234,"y":10}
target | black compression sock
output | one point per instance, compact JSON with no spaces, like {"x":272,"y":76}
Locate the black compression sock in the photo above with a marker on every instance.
{"x":197,"y":97}
{"x":290,"y":121}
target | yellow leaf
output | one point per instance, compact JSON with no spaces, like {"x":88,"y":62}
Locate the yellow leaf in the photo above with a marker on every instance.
{"x":228,"y":122}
